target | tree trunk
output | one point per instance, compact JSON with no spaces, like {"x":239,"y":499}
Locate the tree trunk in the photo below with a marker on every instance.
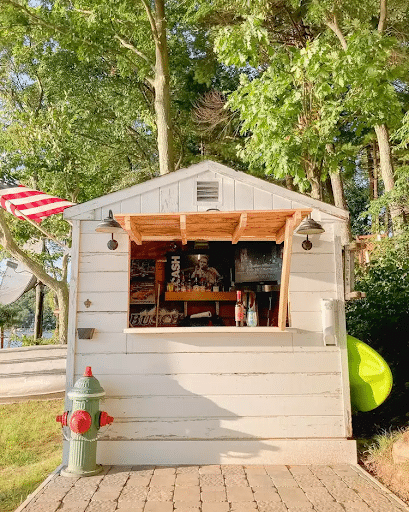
{"x":60,"y":287}
{"x":371,"y":172}
{"x":313,"y":176}
{"x":386,"y":168}
{"x":1,"y":337}
{"x":162,"y":93}
{"x":39,"y":309}
{"x":340,"y":202}
{"x":289,"y":182}
{"x":373,"y":180}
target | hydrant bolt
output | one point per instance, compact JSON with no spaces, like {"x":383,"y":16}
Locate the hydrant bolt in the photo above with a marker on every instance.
{"x":63,"y":419}
{"x":104,"y":419}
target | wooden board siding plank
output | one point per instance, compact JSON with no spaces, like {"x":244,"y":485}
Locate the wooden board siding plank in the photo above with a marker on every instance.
{"x":88,"y":226}
{"x":262,"y":200}
{"x":273,"y":451}
{"x":222,"y":406}
{"x":281,"y":203}
{"x":97,"y":242}
{"x":187,"y":198}
{"x":312,"y":263}
{"x":221,"y":428}
{"x":150,"y":201}
{"x":208,"y":342}
{"x":102,"y":282}
{"x":131,"y":205}
{"x":251,"y":362}
{"x":98,"y":262}
{"x":227,"y":185}
{"x":228,"y":384}
{"x":169,"y":198}
{"x":318,"y":247}
{"x":309,"y":301}
{"x":101,"y":302}
{"x":310,"y":321}
{"x":102,"y":343}
{"x":324,"y":282}
{"x":243,"y":196}
{"x":183,"y":229}
{"x":113,"y":322}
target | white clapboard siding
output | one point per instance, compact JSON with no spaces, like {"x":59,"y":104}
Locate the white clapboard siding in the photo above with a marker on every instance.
{"x":208,"y":363}
{"x":225,"y":428}
{"x":319,"y":282}
{"x":281,"y":203}
{"x":110,"y":301}
{"x":263,"y":200}
{"x":101,"y":343}
{"x":303,"y":338}
{"x":318,"y":246}
{"x":208,"y":342}
{"x":107,"y":322}
{"x":131,"y":205}
{"x":187,"y":195}
{"x":309,"y":301}
{"x":227,"y":194}
{"x":310,"y":321}
{"x":111,"y":262}
{"x":150,"y":201}
{"x":312,"y":263}
{"x":103,"y":282}
{"x":89,"y":226}
{"x":169,"y":198}
{"x":97,"y":242}
{"x":223,"y":406}
{"x":244,"y":196}
{"x":233,"y":384}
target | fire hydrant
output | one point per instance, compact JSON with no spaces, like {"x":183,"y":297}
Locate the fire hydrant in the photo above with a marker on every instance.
{"x":84,"y":421}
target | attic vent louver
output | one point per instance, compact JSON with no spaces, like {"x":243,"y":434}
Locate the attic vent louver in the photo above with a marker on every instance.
{"x":207,"y":191}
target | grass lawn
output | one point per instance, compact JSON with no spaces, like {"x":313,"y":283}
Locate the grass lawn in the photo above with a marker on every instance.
{"x":30,"y":448}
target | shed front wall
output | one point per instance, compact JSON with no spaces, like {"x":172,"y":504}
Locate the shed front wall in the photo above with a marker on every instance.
{"x":226,"y":388}
{"x":206,"y":397}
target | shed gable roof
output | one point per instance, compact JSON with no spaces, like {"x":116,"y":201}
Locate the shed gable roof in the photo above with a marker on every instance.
{"x":77,"y":211}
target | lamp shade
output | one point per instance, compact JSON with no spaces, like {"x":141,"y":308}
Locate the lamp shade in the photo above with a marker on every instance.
{"x":109,"y":225}
{"x":310,"y":227}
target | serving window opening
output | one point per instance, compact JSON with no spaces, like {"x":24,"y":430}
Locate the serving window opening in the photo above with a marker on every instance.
{"x":195,"y":284}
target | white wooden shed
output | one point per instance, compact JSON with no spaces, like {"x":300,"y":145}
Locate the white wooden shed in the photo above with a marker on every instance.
{"x":271,"y":394}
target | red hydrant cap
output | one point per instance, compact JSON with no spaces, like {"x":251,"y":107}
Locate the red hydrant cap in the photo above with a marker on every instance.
{"x":104,"y":419}
{"x":80,"y":422}
{"x":88,"y":372}
{"x":63,"y":419}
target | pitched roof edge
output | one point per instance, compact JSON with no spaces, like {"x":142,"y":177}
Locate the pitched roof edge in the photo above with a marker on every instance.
{"x":206,"y":165}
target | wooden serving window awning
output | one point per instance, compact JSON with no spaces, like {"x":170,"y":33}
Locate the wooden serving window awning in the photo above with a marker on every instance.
{"x":249,"y":225}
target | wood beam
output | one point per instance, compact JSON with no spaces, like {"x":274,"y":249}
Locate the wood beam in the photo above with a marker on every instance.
{"x":183,"y":229}
{"x":241,"y":226}
{"x":132,"y":231}
{"x":285,"y":274}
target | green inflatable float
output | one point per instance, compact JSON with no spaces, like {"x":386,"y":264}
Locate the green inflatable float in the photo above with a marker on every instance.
{"x":370,"y":377}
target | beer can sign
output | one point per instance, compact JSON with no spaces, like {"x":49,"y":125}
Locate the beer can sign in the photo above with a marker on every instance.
{"x":173,"y":270}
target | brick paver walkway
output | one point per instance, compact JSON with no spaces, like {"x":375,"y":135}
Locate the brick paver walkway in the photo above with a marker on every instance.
{"x":340,"y":488}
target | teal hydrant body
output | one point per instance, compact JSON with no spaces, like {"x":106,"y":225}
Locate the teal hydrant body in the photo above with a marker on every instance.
{"x":84,"y":421}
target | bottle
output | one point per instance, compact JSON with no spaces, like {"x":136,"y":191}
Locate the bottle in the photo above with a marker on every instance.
{"x":183,"y":283}
{"x":196,"y":287}
{"x":239,"y":310}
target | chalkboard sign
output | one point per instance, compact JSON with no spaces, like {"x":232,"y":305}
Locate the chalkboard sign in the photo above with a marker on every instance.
{"x":258,"y":262}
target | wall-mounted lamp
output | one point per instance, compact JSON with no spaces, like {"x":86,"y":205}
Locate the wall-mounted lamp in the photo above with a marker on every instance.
{"x":309,"y":227}
{"x":110,"y":225}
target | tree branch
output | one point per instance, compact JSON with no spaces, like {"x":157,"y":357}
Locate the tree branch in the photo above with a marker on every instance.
{"x":135,"y":50}
{"x":7,"y":242}
{"x":383,"y":12}
{"x":333,"y":25}
{"x":151,"y":21}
